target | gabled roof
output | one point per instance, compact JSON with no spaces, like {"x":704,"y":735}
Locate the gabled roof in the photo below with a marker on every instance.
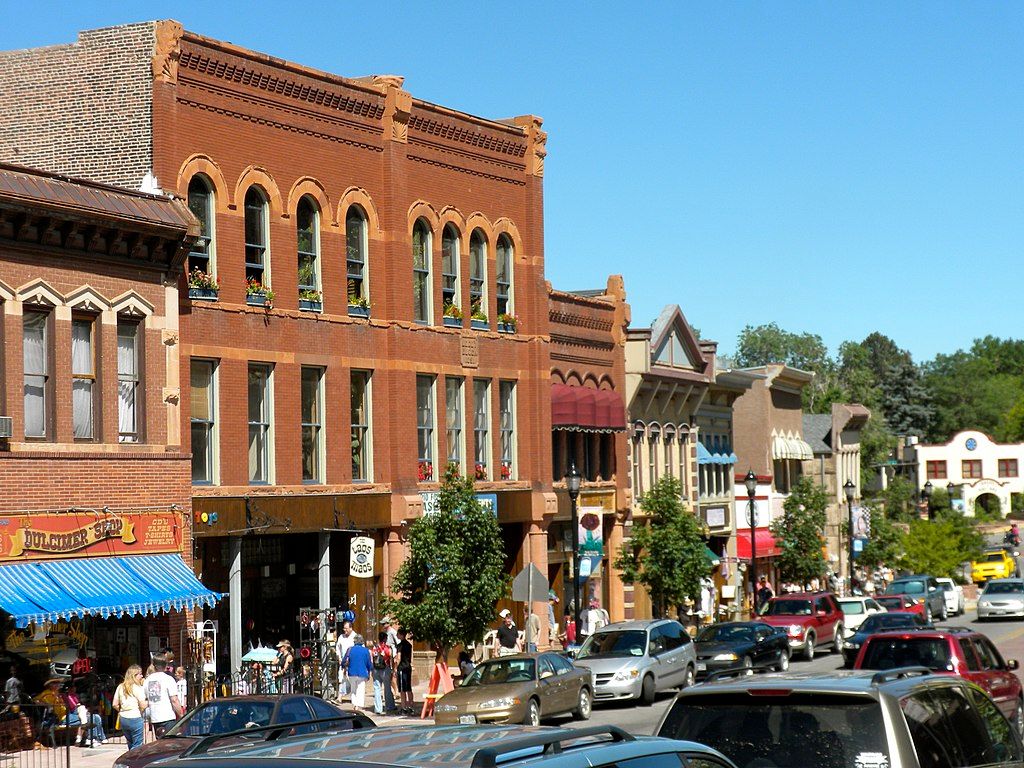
{"x":672,"y":321}
{"x":818,"y":432}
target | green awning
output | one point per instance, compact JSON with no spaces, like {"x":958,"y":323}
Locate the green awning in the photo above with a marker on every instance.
{"x":711,"y":557}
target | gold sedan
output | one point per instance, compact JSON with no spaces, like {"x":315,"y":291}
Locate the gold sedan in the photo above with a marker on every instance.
{"x":519,"y":689}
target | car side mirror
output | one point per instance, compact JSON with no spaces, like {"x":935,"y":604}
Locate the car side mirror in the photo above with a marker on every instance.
{"x":546,"y":674}
{"x":822,"y":612}
{"x":571,"y":653}
{"x":1012,"y":664}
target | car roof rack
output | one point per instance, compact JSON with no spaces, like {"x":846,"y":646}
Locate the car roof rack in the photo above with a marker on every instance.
{"x":955,"y":630}
{"x":898,"y":673}
{"x":551,"y":741}
{"x":275,"y":732}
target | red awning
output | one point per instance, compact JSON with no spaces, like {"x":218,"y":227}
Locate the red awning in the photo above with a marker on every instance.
{"x":766,"y":546}
{"x":586,"y":409}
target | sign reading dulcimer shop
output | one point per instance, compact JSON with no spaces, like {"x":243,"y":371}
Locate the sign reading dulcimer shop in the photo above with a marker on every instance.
{"x":80,"y":533}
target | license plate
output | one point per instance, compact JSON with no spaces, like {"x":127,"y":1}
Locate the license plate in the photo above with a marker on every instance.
{"x":702,"y":667}
{"x":467,"y":719}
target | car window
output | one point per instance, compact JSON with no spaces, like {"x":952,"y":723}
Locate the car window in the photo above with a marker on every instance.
{"x":914,"y":587}
{"x":787,"y":607}
{"x":893,"y":652}
{"x":501,"y":671}
{"x":763,"y":633}
{"x":631,"y":642}
{"x":657,"y":642}
{"x":1004,"y":588}
{"x":872,"y":605}
{"x":321,"y":709}
{"x":674,"y":636}
{"x":295,"y":711}
{"x":933,"y":730}
{"x":223,"y":716}
{"x":1004,"y":748}
{"x":664,"y":760}
{"x":851,"y":607}
{"x":987,"y":654}
{"x":546,"y":668}
{"x":561,"y":664}
{"x":967,"y":650}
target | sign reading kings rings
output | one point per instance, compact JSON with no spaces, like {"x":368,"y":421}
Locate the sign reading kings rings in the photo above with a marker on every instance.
{"x":360,"y":557}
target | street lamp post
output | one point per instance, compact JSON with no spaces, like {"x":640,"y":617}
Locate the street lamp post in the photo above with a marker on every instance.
{"x":572,"y":484}
{"x":926,"y":494}
{"x":750,"y":481}
{"x":849,"y":488}
{"x":950,"y":487}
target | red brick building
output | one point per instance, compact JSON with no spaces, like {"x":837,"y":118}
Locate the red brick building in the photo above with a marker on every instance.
{"x":95,"y":477}
{"x":380,"y":308}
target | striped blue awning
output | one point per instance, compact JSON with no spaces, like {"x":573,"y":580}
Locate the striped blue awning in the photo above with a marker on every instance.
{"x":100,"y":586}
{"x":704,"y":456}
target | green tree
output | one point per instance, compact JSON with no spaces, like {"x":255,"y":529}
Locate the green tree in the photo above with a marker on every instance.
{"x":799,"y":532}
{"x":667,"y":553}
{"x":765,"y":344}
{"x":898,"y":499}
{"x":885,"y":542}
{"x":938,"y":547}
{"x":446,"y":590}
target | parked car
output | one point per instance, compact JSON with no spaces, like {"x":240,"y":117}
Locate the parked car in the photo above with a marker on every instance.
{"x":880,"y":622}
{"x":855,"y":610}
{"x":636,"y":659}
{"x":745,"y":644}
{"x":1001,"y":597}
{"x":519,"y":689}
{"x":239,"y":715}
{"x":953,"y":650}
{"x":810,"y":619}
{"x":900,"y":718}
{"x":926,"y":590}
{"x":461,"y":746}
{"x":994,"y":564}
{"x":954,"y":594}
{"x":902,"y":604}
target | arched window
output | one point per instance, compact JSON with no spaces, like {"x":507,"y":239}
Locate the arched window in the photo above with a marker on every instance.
{"x":200,"y":202}
{"x":478,"y":272}
{"x":503,"y":270}
{"x":257,"y":238}
{"x":421,"y":258}
{"x":355,"y":240}
{"x":307,"y":231}
{"x":450,"y":268}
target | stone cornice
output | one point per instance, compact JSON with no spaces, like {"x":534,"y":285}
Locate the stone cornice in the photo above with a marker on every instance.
{"x":578,"y":321}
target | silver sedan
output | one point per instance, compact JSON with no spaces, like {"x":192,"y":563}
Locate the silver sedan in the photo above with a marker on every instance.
{"x":1002,"y":597}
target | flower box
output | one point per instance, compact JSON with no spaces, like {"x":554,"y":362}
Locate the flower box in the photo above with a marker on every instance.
{"x":453,"y":322}
{"x":506,"y":328}
{"x":205,"y":294}
{"x":257,"y":300}
{"x":310,"y":305}
{"x":480,"y":325}
{"x":355,"y":310}
{"x":424,"y":471}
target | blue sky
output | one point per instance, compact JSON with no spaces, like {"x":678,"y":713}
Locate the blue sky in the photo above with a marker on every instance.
{"x":835,"y":168}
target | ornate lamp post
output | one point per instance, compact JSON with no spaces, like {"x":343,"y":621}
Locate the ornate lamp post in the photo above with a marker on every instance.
{"x":950,"y":487}
{"x":849,"y":489}
{"x":572,"y":484}
{"x":750,"y":481}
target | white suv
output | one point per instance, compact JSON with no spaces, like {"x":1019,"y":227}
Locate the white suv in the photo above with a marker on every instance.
{"x":954,"y":595}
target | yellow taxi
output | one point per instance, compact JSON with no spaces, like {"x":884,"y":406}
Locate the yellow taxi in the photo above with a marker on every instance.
{"x":994,"y":564}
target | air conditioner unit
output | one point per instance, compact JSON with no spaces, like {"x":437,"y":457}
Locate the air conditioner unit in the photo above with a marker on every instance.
{"x":6,"y":426}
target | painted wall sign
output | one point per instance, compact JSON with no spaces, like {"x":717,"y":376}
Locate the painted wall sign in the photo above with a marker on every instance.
{"x":50,"y":536}
{"x":489,"y":501}
{"x":360,"y":557}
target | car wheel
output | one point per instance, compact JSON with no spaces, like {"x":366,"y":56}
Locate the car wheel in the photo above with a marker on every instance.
{"x":583,"y":706}
{"x":945,"y":612}
{"x":837,"y":641}
{"x":691,"y":677}
{"x":747,"y":663}
{"x":532,"y":713}
{"x":809,"y":648}
{"x":783,"y":665}
{"x":927,"y":614}
{"x":647,"y":691}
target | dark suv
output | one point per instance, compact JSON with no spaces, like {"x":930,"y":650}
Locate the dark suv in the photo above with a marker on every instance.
{"x":926,"y":590}
{"x":955,"y":650}
{"x":809,"y":618}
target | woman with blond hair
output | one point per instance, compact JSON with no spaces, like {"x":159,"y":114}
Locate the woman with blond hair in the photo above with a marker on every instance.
{"x":130,"y":702}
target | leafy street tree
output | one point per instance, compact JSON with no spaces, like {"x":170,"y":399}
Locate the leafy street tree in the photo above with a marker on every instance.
{"x":905,"y":400}
{"x":898,"y":499}
{"x":447,"y":588}
{"x":885,"y":543}
{"x":667,"y":554}
{"x":764,"y":344}
{"x":938,"y":547}
{"x":799,"y":532}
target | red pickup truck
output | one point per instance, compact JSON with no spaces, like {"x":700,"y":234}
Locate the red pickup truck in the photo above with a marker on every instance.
{"x":810,"y":619}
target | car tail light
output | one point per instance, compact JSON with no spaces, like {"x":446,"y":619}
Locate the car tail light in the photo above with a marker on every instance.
{"x":770,"y":691}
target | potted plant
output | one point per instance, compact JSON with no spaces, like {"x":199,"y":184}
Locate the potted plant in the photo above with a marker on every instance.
{"x":452,"y":315}
{"x":480,"y":471}
{"x":478,"y":319}
{"x":202,"y":286}
{"x":507,"y":323}
{"x":506,"y":470}
{"x":359,"y":307}
{"x":257,"y":294}
{"x":311,"y":300}
{"x":425,"y":471}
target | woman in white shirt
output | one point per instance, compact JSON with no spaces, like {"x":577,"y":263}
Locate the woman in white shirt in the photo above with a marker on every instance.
{"x":130,"y":702}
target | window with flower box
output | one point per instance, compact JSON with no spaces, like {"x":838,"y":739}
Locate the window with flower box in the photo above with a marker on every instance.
{"x":478,"y":271}
{"x":507,"y":427}
{"x":307,"y":232}
{"x":425,"y":426}
{"x":481,"y":429}
{"x":454,"y":404}
{"x":201,"y":204}
{"x":503,"y":273}
{"x":450,"y":268}
{"x":356,"y":250}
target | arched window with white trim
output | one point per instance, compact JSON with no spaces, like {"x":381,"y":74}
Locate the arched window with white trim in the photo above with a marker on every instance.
{"x":356,"y":256}
{"x":478,"y":271}
{"x":201,"y":203}
{"x":503,"y":281}
{"x":422,"y":293}
{"x":257,"y":238}
{"x":450,"y":258}
{"x":307,"y":235}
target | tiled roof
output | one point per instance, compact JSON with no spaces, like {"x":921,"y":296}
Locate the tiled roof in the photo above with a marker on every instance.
{"x":818,"y":432}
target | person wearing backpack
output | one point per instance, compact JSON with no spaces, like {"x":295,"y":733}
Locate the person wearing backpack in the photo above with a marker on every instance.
{"x":383,"y":664}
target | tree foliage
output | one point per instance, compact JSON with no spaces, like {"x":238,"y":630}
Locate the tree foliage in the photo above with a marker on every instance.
{"x":446,"y":590}
{"x":939,"y":547}
{"x":667,"y":553}
{"x":885,"y":543}
{"x":799,"y":532}
{"x":765,"y":344}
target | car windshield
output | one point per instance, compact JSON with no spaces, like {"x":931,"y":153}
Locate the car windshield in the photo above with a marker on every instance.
{"x":913,"y":587}
{"x":888,"y":621}
{"x":995,"y":557}
{"x":503,"y":671}
{"x":1004,"y":588}
{"x":892,"y":652}
{"x":947,"y":586}
{"x":629,"y":642}
{"x":787,"y":607}
{"x":851,"y":607}
{"x":783,"y":731}
{"x":726,"y":633}
{"x":223,"y":716}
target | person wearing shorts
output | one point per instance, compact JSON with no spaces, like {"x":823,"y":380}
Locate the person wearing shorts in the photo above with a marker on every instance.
{"x":403,"y":669}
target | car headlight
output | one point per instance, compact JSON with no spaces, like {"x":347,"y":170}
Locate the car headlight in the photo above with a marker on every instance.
{"x":502,"y":703}
{"x":725,"y":657}
{"x":120,"y":765}
{"x":437,"y":708}
{"x":627,"y":674}
{"x":848,"y":644}
{"x":796,"y":630}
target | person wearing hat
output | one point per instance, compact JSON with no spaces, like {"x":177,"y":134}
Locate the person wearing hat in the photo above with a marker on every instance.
{"x":506,"y":641}
{"x":283,"y":672}
{"x":162,"y":693}
{"x":359,"y":666}
{"x":552,"y":622}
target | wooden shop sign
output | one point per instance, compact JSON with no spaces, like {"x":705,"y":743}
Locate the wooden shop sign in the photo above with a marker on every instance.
{"x":50,"y":536}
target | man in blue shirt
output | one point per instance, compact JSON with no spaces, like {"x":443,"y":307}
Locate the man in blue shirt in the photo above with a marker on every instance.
{"x":358,"y":664}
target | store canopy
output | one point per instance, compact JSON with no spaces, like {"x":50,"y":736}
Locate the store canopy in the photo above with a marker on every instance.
{"x":583,"y":408}
{"x":711,"y":557}
{"x":791,"y":448}
{"x":704,"y":456}
{"x":100,"y":586}
{"x":766,"y":545}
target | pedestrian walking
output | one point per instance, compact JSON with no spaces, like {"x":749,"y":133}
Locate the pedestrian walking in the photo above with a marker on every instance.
{"x":506,"y":641}
{"x":568,"y":634}
{"x":359,"y":666}
{"x":552,"y":621}
{"x":532,"y":629}
{"x":383,"y":664}
{"x":130,"y":702}
{"x":341,"y":647}
{"x":179,"y":678}
{"x":162,"y":694}
{"x":764,"y":593}
{"x":285,"y":660}
{"x":14,"y":689}
{"x":403,"y":667}
{"x":392,"y":632}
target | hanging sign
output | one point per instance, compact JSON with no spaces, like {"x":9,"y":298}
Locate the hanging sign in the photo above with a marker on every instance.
{"x":360,"y":557}
{"x":48,"y":536}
